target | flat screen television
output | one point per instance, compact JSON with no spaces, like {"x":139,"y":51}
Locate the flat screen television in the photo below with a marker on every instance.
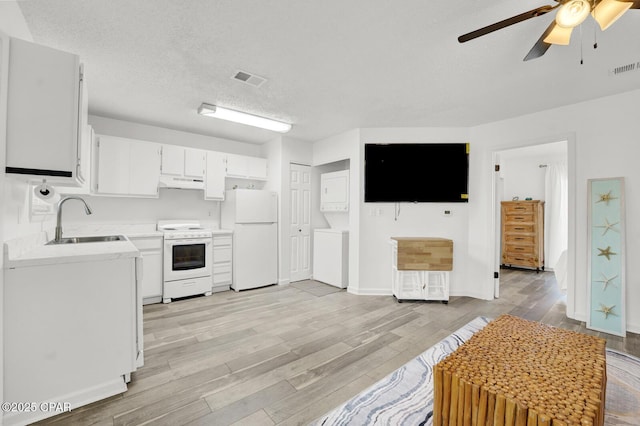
{"x":416,"y":172}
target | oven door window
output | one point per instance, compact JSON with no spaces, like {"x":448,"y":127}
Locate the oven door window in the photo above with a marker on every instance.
{"x":188,"y":256}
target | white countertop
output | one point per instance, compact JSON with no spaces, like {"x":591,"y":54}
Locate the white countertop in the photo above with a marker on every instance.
{"x":33,"y":251}
{"x":140,"y":230}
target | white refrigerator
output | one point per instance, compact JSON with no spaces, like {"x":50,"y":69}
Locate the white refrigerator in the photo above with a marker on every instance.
{"x":252,"y":214}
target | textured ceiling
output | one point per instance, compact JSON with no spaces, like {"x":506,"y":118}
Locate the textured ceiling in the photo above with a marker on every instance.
{"x":331,"y":65}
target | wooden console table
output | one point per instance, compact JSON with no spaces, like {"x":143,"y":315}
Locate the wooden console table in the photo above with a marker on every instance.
{"x":420,"y":268}
{"x":522,"y":373}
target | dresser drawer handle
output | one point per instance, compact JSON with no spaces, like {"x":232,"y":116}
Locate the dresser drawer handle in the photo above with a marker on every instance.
{"x":519,"y":208}
{"x":519,"y":229}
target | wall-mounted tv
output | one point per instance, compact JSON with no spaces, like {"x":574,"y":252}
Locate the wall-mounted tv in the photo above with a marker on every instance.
{"x":416,"y":172}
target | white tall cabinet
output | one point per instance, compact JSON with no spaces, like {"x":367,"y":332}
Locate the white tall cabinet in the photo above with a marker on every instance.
{"x":45,"y":114}
{"x":215,"y":176}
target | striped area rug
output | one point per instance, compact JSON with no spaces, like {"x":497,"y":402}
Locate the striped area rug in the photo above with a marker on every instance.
{"x":405,"y":397}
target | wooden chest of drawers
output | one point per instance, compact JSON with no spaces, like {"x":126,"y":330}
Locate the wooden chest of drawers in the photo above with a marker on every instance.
{"x":523,"y":234}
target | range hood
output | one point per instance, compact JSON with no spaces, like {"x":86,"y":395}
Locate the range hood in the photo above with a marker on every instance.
{"x":178,"y":182}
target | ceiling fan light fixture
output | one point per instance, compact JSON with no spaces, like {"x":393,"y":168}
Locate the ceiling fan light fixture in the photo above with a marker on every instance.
{"x":209,"y":110}
{"x":559,"y":35}
{"x":608,"y":11}
{"x":573,"y":13}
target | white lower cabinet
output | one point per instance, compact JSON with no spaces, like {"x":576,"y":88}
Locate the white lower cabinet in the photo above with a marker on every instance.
{"x":151,"y":252}
{"x":420,"y":285}
{"x":417,"y":284}
{"x":70,"y":334}
{"x":222,"y":262}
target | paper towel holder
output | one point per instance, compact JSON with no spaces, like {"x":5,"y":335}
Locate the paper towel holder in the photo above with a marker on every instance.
{"x":44,"y":189}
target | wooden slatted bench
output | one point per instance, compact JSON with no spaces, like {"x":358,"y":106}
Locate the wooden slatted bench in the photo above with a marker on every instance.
{"x":524,"y":373}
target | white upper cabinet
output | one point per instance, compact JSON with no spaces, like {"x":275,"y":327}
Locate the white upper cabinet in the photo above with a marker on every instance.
{"x":126,"y":167}
{"x":244,"y":167}
{"x":46,"y":113}
{"x":172,"y":160}
{"x":215,"y":180}
{"x":182,"y":167}
{"x":194,"y":163}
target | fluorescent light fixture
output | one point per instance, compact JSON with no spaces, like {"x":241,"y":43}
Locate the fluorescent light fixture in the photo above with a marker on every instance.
{"x":215,"y":111}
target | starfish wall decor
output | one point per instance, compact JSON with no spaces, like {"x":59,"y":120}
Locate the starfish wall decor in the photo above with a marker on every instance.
{"x":608,"y":226}
{"x":607,"y":310}
{"x":606,"y":252}
{"x":605,"y":198}
{"x":606,"y":281}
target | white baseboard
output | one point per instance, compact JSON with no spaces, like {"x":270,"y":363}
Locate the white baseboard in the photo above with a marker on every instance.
{"x":369,"y":291}
{"x":74,"y":400}
{"x":467,"y":294}
{"x":284,"y":281}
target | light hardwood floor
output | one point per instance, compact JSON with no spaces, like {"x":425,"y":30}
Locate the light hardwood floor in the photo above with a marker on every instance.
{"x":287,"y":354}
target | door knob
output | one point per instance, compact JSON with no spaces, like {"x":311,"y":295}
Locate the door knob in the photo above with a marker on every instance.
{"x":299,"y":230}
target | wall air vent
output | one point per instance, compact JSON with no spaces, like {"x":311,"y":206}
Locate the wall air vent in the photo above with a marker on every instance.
{"x":634,"y":66}
{"x":248,"y":78}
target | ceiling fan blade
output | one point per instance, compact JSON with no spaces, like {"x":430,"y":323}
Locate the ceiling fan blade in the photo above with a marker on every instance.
{"x":541,"y":47}
{"x":558,"y":35}
{"x":608,"y":11}
{"x":505,"y":23}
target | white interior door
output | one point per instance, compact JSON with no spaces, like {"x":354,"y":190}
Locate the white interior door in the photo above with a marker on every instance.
{"x":300,"y":222}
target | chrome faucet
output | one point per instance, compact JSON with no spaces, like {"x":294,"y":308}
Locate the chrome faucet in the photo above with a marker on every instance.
{"x":87,"y":210}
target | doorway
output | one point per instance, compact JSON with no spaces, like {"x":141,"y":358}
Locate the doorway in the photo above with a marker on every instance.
{"x":545,"y":172}
{"x":300,"y":222}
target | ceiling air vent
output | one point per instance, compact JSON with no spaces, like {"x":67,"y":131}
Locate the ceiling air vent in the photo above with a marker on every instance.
{"x":634,"y":66}
{"x":248,"y":78}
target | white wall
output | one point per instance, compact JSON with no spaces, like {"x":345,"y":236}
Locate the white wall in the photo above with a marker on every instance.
{"x":520,"y":169}
{"x":605,"y":132}
{"x":128,"y":129}
{"x":172,"y":204}
{"x":415,"y":219}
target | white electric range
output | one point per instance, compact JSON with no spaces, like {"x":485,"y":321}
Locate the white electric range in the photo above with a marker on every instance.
{"x":187,"y":259}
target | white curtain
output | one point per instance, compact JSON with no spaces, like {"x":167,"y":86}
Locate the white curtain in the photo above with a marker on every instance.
{"x":556,"y":221}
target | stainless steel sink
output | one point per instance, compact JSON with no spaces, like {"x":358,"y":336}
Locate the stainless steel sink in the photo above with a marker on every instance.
{"x":94,"y":239}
